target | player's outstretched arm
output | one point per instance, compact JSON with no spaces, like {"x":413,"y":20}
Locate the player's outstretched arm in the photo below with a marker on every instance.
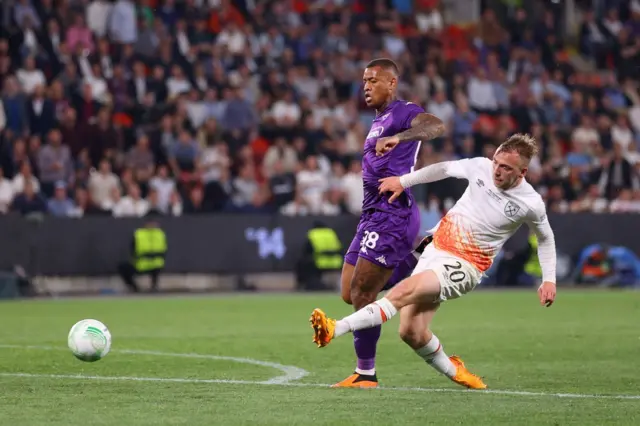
{"x":435,"y":172}
{"x":424,"y":127}
{"x":547,"y":257}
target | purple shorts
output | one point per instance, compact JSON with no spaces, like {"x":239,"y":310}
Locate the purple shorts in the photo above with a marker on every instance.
{"x":386,"y":240}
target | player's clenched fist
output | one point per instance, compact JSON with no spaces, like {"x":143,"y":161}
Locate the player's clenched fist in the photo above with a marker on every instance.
{"x":547,"y":293}
{"x":391,"y":184}
{"x":384,"y":145}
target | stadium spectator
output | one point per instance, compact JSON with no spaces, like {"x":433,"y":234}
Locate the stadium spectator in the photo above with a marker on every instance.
{"x":60,"y":205}
{"x":236,"y":98}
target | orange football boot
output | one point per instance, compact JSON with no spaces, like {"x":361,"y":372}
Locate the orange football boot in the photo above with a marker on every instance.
{"x":323,"y":328}
{"x":357,"y":380}
{"x":464,"y":377}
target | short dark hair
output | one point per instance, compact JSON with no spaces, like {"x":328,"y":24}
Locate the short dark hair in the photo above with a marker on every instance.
{"x":522,"y":143}
{"x":386,"y":64}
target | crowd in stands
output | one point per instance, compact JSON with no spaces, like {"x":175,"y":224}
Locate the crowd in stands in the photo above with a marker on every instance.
{"x":183,"y":107}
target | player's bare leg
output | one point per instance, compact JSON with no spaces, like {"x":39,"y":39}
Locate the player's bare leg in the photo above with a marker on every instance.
{"x":367,"y":280}
{"x":345,"y":282}
{"x":418,"y":289}
{"x":415,"y":321}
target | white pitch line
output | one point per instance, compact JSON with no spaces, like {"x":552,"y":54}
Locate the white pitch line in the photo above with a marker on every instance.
{"x":291,"y":373}
{"x":318,"y":385}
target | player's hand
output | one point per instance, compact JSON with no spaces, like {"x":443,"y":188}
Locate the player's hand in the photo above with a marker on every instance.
{"x":391,"y":184}
{"x":384,"y":145}
{"x":547,"y":293}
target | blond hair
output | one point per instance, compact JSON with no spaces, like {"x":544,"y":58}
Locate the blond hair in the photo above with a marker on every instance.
{"x":524,"y":144}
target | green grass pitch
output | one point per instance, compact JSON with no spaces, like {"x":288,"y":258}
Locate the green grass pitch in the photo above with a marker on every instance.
{"x":570,"y":364}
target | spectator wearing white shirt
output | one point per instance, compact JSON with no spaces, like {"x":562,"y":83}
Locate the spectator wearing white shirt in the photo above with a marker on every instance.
{"x":586,"y":134}
{"x":312,"y":184}
{"x":131,"y":205}
{"x":286,"y":112}
{"x":164,"y":185}
{"x":6,"y":193}
{"x":481,"y":93}
{"x":352,"y":188}
{"x":279,"y":152}
{"x":233,"y":39}
{"x":429,"y":20}
{"x":621,"y":132}
{"x":25,"y":175}
{"x":30,"y":77}
{"x":442,"y":108}
{"x":97,"y":17}
{"x":123,"y":27}
{"x":612,"y":22}
{"x":102,"y":184}
{"x":177,"y":83}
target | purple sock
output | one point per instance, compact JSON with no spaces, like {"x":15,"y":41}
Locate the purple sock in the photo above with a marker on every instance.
{"x":365,"y":342}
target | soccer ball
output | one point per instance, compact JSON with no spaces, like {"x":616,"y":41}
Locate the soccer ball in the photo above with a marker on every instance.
{"x":89,"y":340}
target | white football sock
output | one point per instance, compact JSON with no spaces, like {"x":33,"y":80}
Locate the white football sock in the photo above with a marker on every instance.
{"x":434,"y":355}
{"x":371,"y":315}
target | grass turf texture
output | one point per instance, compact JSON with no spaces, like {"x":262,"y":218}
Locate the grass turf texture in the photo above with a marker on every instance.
{"x":588,"y":343}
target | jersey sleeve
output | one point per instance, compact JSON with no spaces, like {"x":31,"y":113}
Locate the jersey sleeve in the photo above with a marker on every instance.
{"x":538,"y":221}
{"x":459,"y":169}
{"x":411,"y":111}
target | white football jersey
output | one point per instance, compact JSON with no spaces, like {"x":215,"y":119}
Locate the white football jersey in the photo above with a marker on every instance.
{"x":485,"y":217}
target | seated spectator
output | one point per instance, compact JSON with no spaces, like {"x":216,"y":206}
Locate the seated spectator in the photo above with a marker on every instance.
{"x":30,"y":77}
{"x":442,"y":108}
{"x":282,"y":185}
{"x":165,"y":186}
{"x":54,"y":163}
{"x":194,"y":204}
{"x":246,"y":196}
{"x":131,"y":205}
{"x":184,"y":157}
{"x":140,"y":159}
{"x":28,"y":201}
{"x":25,"y":175}
{"x":6,"y":193}
{"x":312,"y":184}
{"x":102,"y":183}
{"x":60,"y":205}
{"x":352,"y":188}
{"x":280,"y":152}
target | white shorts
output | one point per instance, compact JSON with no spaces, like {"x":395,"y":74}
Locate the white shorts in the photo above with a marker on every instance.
{"x":457,"y":276}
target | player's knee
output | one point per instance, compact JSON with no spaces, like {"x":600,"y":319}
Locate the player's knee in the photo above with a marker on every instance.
{"x":360,"y":297}
{"x":412,"y":335}
{"x":346,"y":296}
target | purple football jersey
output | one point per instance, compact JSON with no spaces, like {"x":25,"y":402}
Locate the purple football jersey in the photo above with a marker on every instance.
{"x":394,"y":119}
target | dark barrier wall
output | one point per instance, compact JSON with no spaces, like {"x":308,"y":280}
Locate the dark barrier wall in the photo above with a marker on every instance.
{"x":229,"y":244}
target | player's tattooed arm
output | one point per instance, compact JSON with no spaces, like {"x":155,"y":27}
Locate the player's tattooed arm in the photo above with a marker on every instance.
{"x":424,"y":127}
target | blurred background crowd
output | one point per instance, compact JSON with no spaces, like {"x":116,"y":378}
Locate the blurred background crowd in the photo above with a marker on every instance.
{"x":176,"y":107}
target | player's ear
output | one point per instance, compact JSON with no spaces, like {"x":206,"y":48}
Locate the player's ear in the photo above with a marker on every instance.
{"x":393,"y":82}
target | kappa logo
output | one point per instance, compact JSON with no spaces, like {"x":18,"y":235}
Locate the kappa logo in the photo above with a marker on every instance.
{"x":384,"y":117}
{"x":511,"y":209}
{"x":480,"y":183}
{"x":382,"y":260}
{"x":375,"y":132}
